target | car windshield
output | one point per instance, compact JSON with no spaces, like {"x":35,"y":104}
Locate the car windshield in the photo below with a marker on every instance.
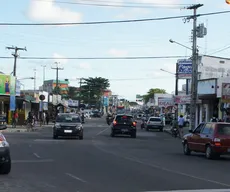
{"x":223,"y":129}
{"x":154,"y":119}
{"x":124,"y":119}
{"x":68,"y":118}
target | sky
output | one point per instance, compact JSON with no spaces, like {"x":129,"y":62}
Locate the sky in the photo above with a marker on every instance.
{"x":127,"y":77}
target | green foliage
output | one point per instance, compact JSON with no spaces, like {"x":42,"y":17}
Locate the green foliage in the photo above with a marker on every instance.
{"x":73,"y":93}
{"x":92,"y":89}
{"x":150,"y":94}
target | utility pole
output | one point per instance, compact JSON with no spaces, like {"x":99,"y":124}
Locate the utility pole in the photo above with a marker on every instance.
{"x":194,"y":66}
{"x":57,"y":70}
{"x":35,"y":81}
{"x":15,"y":54}
{"x":176,"y":90}
{"x":44,"y":77}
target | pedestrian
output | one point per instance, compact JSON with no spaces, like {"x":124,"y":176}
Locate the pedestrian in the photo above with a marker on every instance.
{"x":181,"y":125}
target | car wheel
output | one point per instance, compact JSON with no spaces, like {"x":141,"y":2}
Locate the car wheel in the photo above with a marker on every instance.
{"x":81,"y":137}
{"x":186,"y":149}
{"x":5,"y":168}
{"x":209,"y":153}
{"x":147,"y":129}
{"x":161,"y":130}
{"x":55,"y":135}
{"x":112,"y":134}
{"x":134,"y":135}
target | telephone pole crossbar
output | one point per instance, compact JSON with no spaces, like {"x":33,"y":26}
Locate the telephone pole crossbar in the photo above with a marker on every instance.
{"x":15,"y":54}
{"x":193,"y":104}
{"x":57,"y":77}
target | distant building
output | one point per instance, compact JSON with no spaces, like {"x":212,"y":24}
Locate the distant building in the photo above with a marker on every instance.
{"x":49,"y":86}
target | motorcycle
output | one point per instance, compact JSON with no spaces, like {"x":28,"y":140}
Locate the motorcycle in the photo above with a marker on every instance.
{"x":175,"y":132}
{"x":109,"y":119}
{"x":143,"y":124}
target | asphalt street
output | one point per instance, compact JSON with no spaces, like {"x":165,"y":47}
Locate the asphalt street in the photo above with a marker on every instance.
{"x":154,"y":161}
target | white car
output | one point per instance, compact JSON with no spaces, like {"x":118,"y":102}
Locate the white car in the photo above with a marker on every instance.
{"x":155,"y":123}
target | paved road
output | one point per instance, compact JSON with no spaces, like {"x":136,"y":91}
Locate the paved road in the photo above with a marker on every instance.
{"x":151,"y":162}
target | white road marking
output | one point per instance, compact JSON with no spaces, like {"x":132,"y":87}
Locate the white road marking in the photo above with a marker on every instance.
{"x":102,"y":131}
{"x":33,"y":161}
{"x":199,"y":190}
{"x":49,"y":140}
{"x":36,"y":155}
{"x":75,"y":177}
{"x":162,"y":168}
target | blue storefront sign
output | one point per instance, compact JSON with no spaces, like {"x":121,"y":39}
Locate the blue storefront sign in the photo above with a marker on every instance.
{"x":12,"y":102}
{"x":184,"y":68}
{"x":106,"y":101}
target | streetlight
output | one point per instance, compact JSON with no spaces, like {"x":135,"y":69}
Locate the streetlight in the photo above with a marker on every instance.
{"x":26,"y":78}
{"x":172,"y":41}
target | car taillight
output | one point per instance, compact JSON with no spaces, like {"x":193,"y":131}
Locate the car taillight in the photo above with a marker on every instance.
{"x":134,"y":124}
{"x":114,"y":122}
{"x":217,"y":142}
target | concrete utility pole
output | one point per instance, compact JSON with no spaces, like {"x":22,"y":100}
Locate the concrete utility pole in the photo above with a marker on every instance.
{"x":44,"y":76}
{"x":57,"y":70}
{"x":15,"y":54}
{"x":194,"y":66}
{"x":35,"y":81}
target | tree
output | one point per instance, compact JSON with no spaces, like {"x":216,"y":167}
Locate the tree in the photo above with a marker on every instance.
{"x":150,"y":94}
{"x":92,"y":89}
{"x":73,"y":93}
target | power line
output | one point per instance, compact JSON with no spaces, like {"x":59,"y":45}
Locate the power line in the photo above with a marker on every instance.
{"x":220,"y":50}
{"x":117,"y":4}
{"x":96,"y":58}
{"x":112,"y":22}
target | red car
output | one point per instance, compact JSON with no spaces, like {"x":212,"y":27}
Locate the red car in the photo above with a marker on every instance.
{"x":212,"y":138}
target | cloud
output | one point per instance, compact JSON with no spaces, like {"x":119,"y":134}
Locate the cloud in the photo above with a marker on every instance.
{"x":85,"y":66}
{"x":132,"y":13}
{"x":62,"y":61}
{"x":48,"y":11}
{"x":118,"y":53}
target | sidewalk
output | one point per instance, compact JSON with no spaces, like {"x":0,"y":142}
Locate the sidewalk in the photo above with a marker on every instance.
{"x":167,"y":129}
{"x":22,"y":129}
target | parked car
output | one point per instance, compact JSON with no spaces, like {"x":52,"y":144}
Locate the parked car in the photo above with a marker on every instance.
{"x":212,"y":138}
{"x":5,"y":158}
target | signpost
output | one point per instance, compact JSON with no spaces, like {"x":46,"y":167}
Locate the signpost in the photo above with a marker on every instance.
{"x":184,"y":68}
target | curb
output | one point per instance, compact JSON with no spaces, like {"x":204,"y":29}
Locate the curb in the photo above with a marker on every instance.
{"x":11,"y":130}
{"x":167,"y":131}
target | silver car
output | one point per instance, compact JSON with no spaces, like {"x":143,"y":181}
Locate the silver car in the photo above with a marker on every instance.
{"x":154,"y":123}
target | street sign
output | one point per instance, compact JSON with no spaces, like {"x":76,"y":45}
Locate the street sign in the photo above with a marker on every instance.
{"x":184,"y":68}
{"x":42,"y":97}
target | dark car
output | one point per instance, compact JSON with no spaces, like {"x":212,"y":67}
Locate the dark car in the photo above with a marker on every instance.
{"x":211,"y":138}
{"x":125,"y":125}
{"x":5,"y":159}
{"x":96,"y":114}
{"x":67,"y":124}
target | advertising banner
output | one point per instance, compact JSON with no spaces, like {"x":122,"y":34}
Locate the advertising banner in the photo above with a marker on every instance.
{"x":182,"y":100}
{"x":225,"y":92}
{"x":106,"y":101}
{"x":184,"y":68}
{"x":4,"y":84}
{"x":12,"y":103}
{"x":165,"y":102}
{"x":18,"y":88}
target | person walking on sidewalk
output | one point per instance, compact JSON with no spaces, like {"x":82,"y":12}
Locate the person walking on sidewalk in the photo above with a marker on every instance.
{"x":181,"y":125}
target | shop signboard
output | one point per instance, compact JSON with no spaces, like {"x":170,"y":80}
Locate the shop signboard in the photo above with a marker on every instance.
{"x":7,"y":84}
{"x":225,"y":92}
{"x":184,"y":68}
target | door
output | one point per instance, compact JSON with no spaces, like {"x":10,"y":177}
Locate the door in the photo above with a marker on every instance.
{"x":205,"y":136}
{"x":195,"y":138}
